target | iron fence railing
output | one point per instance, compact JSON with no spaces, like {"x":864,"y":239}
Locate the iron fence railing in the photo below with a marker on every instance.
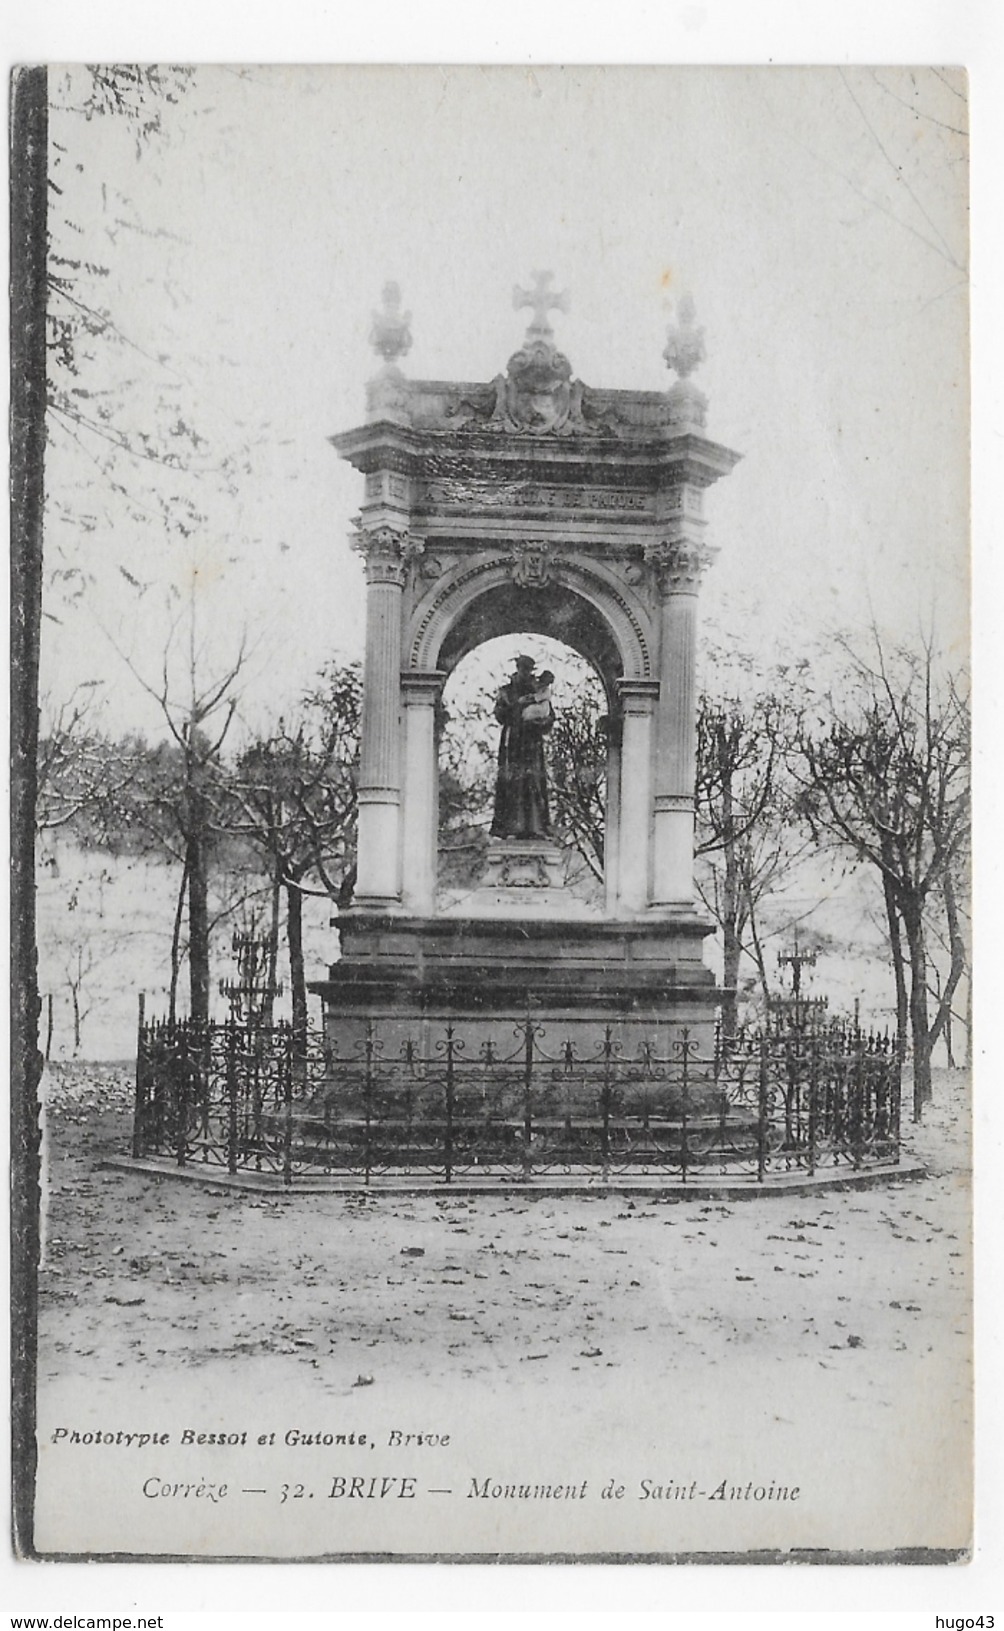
{"x":273,"y":1100}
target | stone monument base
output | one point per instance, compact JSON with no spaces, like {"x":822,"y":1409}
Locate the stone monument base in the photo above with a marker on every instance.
{"x":644,"y":977}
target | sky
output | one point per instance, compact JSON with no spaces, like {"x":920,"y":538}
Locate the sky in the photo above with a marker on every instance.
{"x":818,"y":217}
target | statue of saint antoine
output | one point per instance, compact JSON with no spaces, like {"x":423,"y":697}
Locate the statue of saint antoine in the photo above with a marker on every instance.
{"x":523,"y":709}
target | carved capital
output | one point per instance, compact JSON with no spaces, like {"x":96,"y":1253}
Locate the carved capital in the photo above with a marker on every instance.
{"x":421,"y":688}
{"x":638,"y":697}
{"x":676,"y":564}
{"x":387,"y":553}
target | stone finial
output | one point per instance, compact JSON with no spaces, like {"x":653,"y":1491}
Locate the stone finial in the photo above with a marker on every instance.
{"x":684,"y":350}
{"x":541,"y":299}
{"x":390,"y":335}
{"x":388,"y":393}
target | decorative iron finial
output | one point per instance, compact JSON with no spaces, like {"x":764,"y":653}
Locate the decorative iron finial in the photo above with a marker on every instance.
{"x":542,"y":300}
{"x":390,"y":335}
{"x":684,"y":349}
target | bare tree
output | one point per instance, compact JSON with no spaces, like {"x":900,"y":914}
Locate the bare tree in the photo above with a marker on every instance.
{"x":577,"y":763}
{"x":948,"y":929}
{"x":884,"y":772}
{"x":292,"y":793}
{"x":746,"y":837}
{"x":83,"y":775}
{"x":198,"y":724}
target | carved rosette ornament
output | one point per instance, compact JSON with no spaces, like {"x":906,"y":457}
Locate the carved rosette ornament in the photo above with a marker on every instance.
{"x":387,"y":553}
{"x":676,"y":564}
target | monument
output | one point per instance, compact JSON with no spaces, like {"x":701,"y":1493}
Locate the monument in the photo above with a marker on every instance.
{"x":529,"y":504}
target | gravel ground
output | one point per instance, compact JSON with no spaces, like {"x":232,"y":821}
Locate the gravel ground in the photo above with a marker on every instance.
{"x":833,"y":1329}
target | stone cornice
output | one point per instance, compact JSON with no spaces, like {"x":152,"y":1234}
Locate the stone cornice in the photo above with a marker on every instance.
{"x":649,"y":460}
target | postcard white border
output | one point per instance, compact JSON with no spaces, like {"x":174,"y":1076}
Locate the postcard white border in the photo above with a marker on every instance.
{"x":677,"y":31}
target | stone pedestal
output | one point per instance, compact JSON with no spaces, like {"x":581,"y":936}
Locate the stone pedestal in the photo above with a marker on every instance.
{"x":524,"y":865}
{"x":523,"y":877}
{"x":646,"y":979}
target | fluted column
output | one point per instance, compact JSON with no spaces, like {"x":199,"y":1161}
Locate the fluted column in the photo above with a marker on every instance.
{"x":678,"y":565}
{"x":385,"y":553}
{"x":638,"y":700}
{"x":612,"y":817}
{"x":420,"y":694}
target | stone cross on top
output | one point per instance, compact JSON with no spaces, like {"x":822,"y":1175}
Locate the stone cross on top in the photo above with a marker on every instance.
{"x":542,"y":299}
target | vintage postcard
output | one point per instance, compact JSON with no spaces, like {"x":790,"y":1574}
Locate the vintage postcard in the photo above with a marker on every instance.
{"x":501,"y":813}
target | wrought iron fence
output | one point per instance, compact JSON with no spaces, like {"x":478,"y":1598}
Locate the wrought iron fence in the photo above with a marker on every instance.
{"x":274,"y":1101}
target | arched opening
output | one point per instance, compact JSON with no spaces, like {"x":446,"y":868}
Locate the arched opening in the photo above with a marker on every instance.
{"x":558,"y":616}
{"x":577,"y":758}
{"x":589,"y":612}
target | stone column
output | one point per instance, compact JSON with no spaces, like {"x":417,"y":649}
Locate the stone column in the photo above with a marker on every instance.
{"x":678,"y":565}
{"x":420,"y":694}
{"x":612,"y":815}
{"x":638,"y":699}
{"x":378,"y":884}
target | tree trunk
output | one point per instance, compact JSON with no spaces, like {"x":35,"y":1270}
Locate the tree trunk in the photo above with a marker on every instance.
{"x":75,"y":1000}
{"x":914,"y":926}
{"x":198,"y":927}
{"x":759,"y":959}
{"x":172,"y":999}
{"x":28,"y":240}
{"x":898,"y":966}
{"x":948,"y":1033}
{"x":346,"y":888}
{"x":730,"y":898}
{"x":272,"y":959}
{"x":732,"y":946}
{"x":297,"y":977}
{"x":943,"y":1018}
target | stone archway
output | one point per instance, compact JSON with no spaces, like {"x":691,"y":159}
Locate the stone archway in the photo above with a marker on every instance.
{"x":531,"y":502}
{"x":571,"y":599}
{"x":578,"y":602}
